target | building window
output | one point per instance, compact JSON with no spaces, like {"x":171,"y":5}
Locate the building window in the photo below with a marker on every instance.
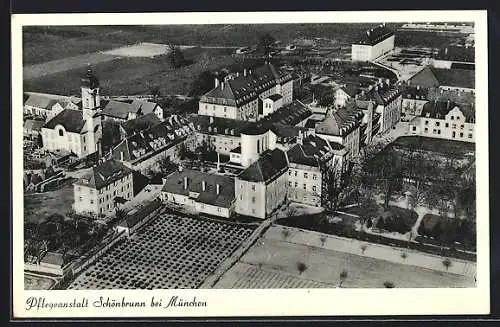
{"x":296,"y":184}
{"x":439,"y":131}
{"x":289,"y":173}
{"x":305,"y":186}
{"x":290,"y":184}
{"x":461,"y":126}
{"x":80,"y":199}
{"x":314,"y":188}
{"x":61,"y":132}
{"x":414,"y":128}
{"x":446,"y":125}
{"x":253,"y":187}
{"x":454,"y":126}
{"x":315,"y":177}
{"x":295,"y":173}
{"x":91,"y":201}
{"x":458,"y":117}
{"x":461,"y":134}
{"x":453,"y":134}
{"x":253,"y":199}
{"x":437,"y":123}
{"x":426,"y":122}
{"x":426,"y":130}
{"x":452,"y":117}
{"x":241,"y":196}
{"x":470,"y":135}
{"x":305,"y":175}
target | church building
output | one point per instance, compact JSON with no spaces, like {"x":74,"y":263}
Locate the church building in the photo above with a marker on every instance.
{"x":77,"y":130}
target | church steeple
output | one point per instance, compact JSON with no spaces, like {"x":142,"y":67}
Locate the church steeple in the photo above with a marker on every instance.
{"x":90,"y":91}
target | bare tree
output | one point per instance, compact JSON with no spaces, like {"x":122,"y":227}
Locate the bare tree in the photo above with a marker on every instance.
{"x":363,"y":248}
{"x":342,"y":277}
{"x":322,"y":239}
{"x":447,"y":263}
{"x":285,"y":232}
{"x":389,"y":284}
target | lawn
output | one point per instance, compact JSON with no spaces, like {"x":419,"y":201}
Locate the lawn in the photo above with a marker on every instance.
{"x":273,"y":262}
{"x":447,"y":147}
{"x":39,"y":206}
{"x":32,"y":282}
{"x":133,"y":75}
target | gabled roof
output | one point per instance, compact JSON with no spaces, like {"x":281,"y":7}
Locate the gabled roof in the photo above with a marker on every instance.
{"x":270,"y":165}
{"x":434,"y":77}
{"x":53,"y":258}
{"x":154,"y":139}
{"x":340,"y":122}
{"x":219,"y":125}
{"x":375,"y":35}
{"x":104,"y":174}
{"x":175,"y":184}
{"x":439,"y":109}
{"x":141,"y":123}
{"x":296,"y":155}
{"x":118,"y":109}
{"x":145,"y":107}
{"x":39,"y":101}
{"x":275,"y":97}
{"x":72,"y":121}
{"x":381,"y":93}
{"x":459,"y":54}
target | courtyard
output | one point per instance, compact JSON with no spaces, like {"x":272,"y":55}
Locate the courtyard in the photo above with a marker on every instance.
{"x":169,"y":253}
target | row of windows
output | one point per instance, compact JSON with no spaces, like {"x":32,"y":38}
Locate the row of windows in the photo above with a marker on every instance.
{"x":304,"y":186}
{"x":446,"y":125}
{"x":306,"y":175}
{"x":438,"y":131}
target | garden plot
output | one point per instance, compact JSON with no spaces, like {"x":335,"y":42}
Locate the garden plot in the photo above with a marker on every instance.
{"x":171,"y":252}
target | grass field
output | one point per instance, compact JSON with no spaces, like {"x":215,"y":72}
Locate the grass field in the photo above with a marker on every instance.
{"x":32,"y":282}
{"x":39,"y":206}
{"x":273,"y":261}
{"x":135,"y":75}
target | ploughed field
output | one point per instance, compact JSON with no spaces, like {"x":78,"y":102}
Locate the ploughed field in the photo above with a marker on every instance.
{"x":273,"y":262}
{"x":169,"y":253}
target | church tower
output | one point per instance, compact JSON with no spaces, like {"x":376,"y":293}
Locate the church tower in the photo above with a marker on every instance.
{"x":91,"y":107}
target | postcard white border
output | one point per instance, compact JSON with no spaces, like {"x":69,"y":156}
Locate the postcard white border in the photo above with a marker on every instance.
{"x":295,"y":302}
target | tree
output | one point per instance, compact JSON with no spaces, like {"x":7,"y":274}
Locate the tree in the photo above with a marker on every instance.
{"x":324,"y":95}
{"x":176,"y":56}
{"x":203,"y":83}
{"x":301,"y":267}
{"x":342,"y":277}
{"x":447,"y":263}
{"x":155,"y":92}
{"x":266,"y":43}
{"x":388,"y":284}
{"x":363,"y":248}
{"x":322,"y":239}
{"x":404,"y":255}
{"x":285,"y":232}
{"x":334,"y":187}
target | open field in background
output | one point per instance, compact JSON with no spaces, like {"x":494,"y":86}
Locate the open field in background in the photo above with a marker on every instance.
{"x":135,"y":75}
{"x":273,"y":262}
{"x":39,"y":206}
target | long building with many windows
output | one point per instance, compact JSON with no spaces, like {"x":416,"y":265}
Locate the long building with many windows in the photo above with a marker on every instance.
{"x":375,"y":43}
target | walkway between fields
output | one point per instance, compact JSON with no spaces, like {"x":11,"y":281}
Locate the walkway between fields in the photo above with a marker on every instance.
{"x":376,"y":251}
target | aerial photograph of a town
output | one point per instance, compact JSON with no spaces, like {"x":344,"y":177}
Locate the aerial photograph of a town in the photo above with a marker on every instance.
{"x":264,"y":156}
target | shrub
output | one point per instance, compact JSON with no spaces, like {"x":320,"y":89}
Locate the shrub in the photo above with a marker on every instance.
{"x":404,"y":255}
{"x":388,"y":284}
{"x":342,"y":277}
{"x":447,"y":263}
{"x":301,"y":267}
{"x":397,"y":219}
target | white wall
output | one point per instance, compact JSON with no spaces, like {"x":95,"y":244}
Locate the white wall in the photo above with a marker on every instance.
{"x":53,"y":140}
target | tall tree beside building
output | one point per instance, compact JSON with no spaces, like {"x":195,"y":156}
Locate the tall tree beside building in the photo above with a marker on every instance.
{"x":176,"y":56}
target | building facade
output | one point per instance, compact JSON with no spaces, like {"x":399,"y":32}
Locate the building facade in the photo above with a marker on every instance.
{"x":102,"y":190}
{"x":445,"y":120}
{"x":377,"y":42}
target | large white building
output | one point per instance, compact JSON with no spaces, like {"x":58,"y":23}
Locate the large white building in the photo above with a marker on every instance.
{"x":248,"y":96}
{"x":77,"y":130}
{"x":103,"y":189}
{"x":200,"y":192}
{"x":445,"y":120}
{"x":375,"y":43}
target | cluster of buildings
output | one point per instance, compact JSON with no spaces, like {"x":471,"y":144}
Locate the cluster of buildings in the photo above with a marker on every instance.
{"x":277,"y":147}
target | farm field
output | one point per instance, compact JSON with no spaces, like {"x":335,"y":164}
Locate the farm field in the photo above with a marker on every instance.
{"x":170,"y":252}
{"x":272,"y":260}
{"x":39,"y":206}
{"x":134,"y":75}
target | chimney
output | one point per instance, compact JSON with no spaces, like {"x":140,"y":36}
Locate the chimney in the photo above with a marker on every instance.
{"x":237,"y":74}
{"x":446,"y":51}
{"x":121,"y":155}
{"x":249,"y":72}
{"x":163,"y":181}
{"x":448,"y":104}
{"x":217,"y":189}
{"x":388,"y":81}
{"x":222,"y":85}
{"x":245,"y":72}
{"x":185,"y":182}
{"x":211,"y":119}
{"x":376,"y":87}
{"x":203,"y":186}
{"x":216,"y":82}
{"x":409,"y":82}
{"x":418,"y":87}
